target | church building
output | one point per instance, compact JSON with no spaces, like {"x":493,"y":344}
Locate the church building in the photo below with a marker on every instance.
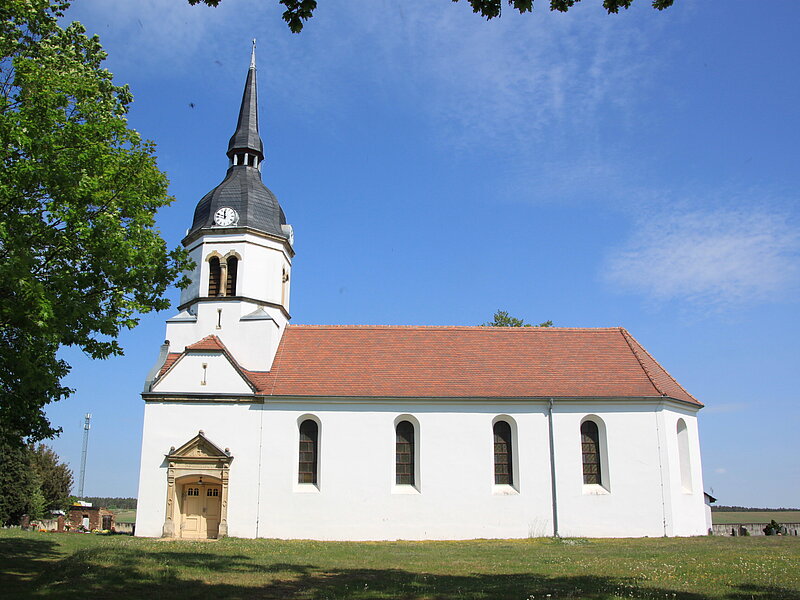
{"x":257,"y":428}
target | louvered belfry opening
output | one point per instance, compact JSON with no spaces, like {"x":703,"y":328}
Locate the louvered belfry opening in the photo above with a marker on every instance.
{"x":233,"y":269}
{"x":307,"y":467}
{"x":214,"y":274}
{"x":404,"y":453}
{"x":590,"y":447}
{"x":503,"y":466}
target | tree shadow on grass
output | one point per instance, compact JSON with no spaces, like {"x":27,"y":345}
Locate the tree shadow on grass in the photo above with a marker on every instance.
{"x":21,"y":560}
{"x":750,"y":592}
{"x":119,"y":573}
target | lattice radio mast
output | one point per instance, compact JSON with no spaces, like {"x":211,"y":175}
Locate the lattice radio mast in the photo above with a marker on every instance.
{"x":86,"y":426}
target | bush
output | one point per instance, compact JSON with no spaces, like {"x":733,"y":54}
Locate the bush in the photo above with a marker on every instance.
{"x":773,"y":528}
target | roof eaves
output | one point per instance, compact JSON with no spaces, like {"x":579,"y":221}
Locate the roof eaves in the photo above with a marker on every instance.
{"x":630,"y":341}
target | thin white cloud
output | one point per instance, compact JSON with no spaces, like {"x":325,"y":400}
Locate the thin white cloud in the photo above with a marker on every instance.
{"x":715,"y":257}
{"x":720,"y":471}
{"x":501,"y":84}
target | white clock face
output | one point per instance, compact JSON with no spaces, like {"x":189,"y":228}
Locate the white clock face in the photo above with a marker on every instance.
{"x":225,"y":216}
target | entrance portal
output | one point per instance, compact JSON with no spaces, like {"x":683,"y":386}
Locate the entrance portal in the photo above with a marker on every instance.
{"x":200,"y":510}
{"x":197,"y":490}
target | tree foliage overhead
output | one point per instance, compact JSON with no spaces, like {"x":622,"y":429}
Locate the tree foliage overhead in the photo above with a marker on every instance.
{"x":78,"y":195}
{"x":503,"y":319}
{"x":297,"y":12}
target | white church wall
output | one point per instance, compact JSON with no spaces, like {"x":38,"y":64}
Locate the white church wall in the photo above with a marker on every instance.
{"x":203,"y":373}
{"x":688,"y":503}
{"x":357,"y":498}
{"x":197,"y":277}
{"x":262,"y":261}
{"x":252,"y":342}
{"x":630,"y":501}
{"x":231,"y":425}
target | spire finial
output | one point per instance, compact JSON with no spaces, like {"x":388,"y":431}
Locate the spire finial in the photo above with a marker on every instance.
{"x":246,"y":135}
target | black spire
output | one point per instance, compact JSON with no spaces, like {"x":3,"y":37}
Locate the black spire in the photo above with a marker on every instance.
{"x":242,"y":189}
{"x":246,"y":137}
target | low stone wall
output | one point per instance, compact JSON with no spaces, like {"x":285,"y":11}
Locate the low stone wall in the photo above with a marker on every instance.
{"x":124,"y":527}
{"x":49,"y":524}
{"x":752,"y":528}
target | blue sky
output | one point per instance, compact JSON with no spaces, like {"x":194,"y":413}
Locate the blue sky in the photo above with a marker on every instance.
{"x":638,"y":169}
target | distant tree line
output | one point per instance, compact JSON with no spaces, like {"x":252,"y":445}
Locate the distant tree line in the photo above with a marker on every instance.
{"x":127,"y":503}
{"x":746,"y":509}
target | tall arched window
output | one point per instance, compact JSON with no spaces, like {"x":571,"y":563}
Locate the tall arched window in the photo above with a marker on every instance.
{"x":404,"y":453}
{"x":309,"y":437}
{"x":214,"y":273}
{"x":683,"y":457}
{"x":503,"y":459}
{"x":230,"y":283}
{"x":590,"y":447}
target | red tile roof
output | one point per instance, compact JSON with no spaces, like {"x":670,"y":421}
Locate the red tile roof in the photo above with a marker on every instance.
{"x":210,"y":342}
{"x":459,"y":362}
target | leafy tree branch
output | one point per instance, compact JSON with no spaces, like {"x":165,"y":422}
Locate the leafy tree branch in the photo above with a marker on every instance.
{"x":297,"y":12}
{"x":79,"y":190}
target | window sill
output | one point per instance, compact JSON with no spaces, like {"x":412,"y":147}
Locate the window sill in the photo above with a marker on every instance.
{"x":503,"y":489}
{"x":405,"y":488}
{"x":593,"y":489}
{"x":306,"y":488}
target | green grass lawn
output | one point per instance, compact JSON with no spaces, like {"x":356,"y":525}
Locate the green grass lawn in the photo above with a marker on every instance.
{"x":781,"y":516}
{"x":49,"y":565}
{"x":125,"y":515}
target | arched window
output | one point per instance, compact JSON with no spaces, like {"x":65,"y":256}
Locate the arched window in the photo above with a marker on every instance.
{"x":683,"y":457}
{"x":590,"y":447}
{"x":230,"y":283}
{"x":284,"y":286}
{"x":503,"y":458}
{"x":214,"y":273}
{"x":404,"y":468}
{"x":307,"y":467}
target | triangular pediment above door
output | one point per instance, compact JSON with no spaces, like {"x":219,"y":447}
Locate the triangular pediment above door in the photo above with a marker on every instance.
{"x":199,"y":447}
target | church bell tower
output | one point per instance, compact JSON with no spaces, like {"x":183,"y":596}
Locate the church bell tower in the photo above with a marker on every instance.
{"x":242,"y":250}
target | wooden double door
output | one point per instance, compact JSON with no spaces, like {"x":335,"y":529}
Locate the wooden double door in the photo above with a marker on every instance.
{"x":200,"y":510}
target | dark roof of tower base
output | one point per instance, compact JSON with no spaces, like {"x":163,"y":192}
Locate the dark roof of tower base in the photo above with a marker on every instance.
{"x":243,"y":191}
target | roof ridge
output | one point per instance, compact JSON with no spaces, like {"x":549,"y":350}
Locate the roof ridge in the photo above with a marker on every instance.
{"x":226,"y":353}
{"x":628,"y":338}
{"x":276,"y":362}
{"x":453,"y":327}
{"x":625,"y":336}
{"x":211,"y":338}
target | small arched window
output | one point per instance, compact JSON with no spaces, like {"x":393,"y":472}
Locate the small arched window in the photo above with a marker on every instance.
{"x":309,"y":437}
{"x":233,"y":269}
{"x":404,"y":467}
{"x":214,"y":274}
{"x":503,"y":459}
{"x":683,"y":457}
{"x":284,"y":286}
{"x":590,"y":447}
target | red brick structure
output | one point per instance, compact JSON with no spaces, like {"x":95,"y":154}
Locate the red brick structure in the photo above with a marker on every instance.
{"x":90,"y":517}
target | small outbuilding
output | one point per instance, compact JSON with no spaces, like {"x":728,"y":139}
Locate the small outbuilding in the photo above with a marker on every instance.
{"x":89,"y":517}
